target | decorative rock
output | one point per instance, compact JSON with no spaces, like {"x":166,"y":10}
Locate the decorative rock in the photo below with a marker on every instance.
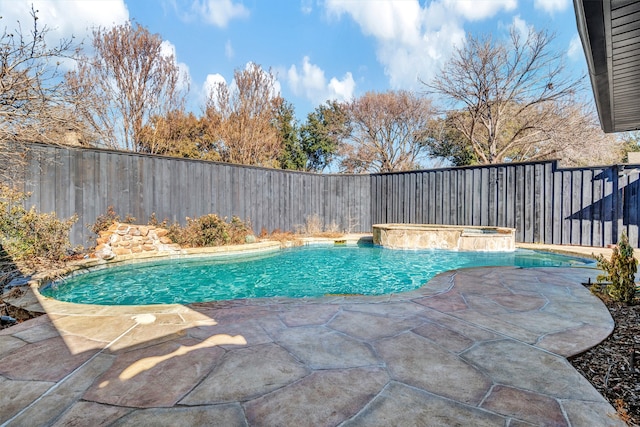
{"x":250,"y":238}
{"x":125,"y":239}
{"x":453,"y":237}
{"x":105,"y":253}
{"x":102,"y":240}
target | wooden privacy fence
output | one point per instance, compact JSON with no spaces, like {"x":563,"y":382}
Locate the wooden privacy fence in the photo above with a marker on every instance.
{"x":546,"y":204}
{"x":88,"y":181}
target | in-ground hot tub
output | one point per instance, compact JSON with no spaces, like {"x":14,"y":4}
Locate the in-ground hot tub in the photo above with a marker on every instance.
{"x":451,"y":237}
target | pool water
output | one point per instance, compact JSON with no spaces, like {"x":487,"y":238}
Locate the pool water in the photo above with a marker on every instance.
{"x":307,"y":271}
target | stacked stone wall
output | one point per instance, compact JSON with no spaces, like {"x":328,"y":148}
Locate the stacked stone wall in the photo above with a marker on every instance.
{"x":127,"y":239}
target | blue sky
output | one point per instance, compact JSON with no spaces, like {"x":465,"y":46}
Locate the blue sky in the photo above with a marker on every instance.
{"x":318,"y":49}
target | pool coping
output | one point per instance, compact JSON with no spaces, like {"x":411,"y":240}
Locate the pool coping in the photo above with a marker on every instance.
{"x":51,"y":305}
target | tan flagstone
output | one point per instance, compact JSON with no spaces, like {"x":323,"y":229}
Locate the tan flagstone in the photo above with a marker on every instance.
{"x":247,"y":373}
{"x":400,"y":405}
{"x":324,"y":398}
{"x":417,"y":362}
{"x":15,"y":395}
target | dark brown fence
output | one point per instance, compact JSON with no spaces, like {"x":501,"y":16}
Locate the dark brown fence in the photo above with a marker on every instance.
{"x":585,"y":206}
{"x":88,"y":181}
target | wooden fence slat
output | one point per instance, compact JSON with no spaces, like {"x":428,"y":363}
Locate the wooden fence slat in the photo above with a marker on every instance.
{"x":547,"y":196}
{"x":557,"y":209}
{"x":632,"y":203}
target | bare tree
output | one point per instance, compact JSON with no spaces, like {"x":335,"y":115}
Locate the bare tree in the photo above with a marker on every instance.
{"x":244,"y":118}
{"x":128,"y":80}
{"x":579,"y":139}
{"x":387,"y":132}
{"x":32,"y":101}
{"x":509,"y":96}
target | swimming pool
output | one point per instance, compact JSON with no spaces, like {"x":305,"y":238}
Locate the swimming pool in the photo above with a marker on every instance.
{"x":307,"y":271}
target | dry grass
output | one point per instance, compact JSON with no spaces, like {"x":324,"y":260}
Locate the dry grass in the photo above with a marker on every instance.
{"x":328,"y":234}
{"x":284,"y":237}
{"x":314,"y":227}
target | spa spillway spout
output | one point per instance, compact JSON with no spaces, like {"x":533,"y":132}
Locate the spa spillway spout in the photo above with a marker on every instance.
{"x":7,"y":320}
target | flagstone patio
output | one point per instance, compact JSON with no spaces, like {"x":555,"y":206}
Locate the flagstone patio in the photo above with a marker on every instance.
{"x":481,"y":347}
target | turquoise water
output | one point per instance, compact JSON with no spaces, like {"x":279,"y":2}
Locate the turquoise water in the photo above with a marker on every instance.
{"x":306,"y":271}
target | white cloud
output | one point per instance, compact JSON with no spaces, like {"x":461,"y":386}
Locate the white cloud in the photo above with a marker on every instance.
{"x":306,"y":6}
{"x":211,"y":83}
{"x":551,"y":6}
{"x":408,"y":66}
{"x":311,"y":83}
{"x":521,"y":26}
{"x":413,"y":42}
{"x":219,"y":12}
{"x":575,"y":51}
{"x":228,"y":50}
{"x":213,"y":80}
{"x":384,"y":19}
{"x":55,"y":15}
{"x":168,"y":49}
{"x":342,"y":89}
{"x":475,"y":10}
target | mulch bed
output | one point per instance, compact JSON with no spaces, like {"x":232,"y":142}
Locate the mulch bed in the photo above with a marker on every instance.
{"x":613,"y":366}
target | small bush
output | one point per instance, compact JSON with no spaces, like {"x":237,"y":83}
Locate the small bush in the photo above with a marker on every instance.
{"x":209,"y":230}
{"x":27,"y":235}
{"x":620,"y":272}
{"x":285,"y":238}
{"x":313,"y":226}
{"x":104,"y":221}
{"x":153,"y":220}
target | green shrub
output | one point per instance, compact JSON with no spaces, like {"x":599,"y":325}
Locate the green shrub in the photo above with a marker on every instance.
{"x":28,"y":234}
{"x":209,"y":230}
{"x":620,"y":272}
